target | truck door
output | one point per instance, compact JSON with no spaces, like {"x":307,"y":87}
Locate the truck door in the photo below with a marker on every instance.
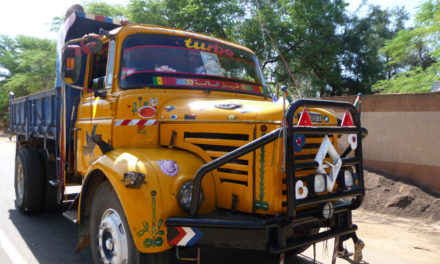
{"x":96,"y":110}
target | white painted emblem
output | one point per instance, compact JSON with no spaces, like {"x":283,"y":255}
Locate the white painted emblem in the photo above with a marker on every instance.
{"x":352,"y":140}
{"x":154,"y":101}
{"x":328,"y":148}
{"x":301,"y":190}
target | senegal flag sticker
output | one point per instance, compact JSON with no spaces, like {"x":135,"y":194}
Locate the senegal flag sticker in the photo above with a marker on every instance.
{"x":157,"y":80}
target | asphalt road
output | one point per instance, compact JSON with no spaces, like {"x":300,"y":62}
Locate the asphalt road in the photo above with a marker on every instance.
{"x":51,"y":238}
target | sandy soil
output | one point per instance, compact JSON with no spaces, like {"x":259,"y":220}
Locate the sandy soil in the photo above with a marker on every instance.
{"x":387,"y":196}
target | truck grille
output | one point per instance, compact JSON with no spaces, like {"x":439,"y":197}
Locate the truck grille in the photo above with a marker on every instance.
{"x":219,"y":144}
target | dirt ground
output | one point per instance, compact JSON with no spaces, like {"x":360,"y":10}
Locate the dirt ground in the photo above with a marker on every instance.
{"x":398,"y":222}
{"x":387,"y":196}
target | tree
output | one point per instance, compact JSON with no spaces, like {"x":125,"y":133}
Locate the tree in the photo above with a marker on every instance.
{"x":306,"y":34}
{"x":101,"y":8}
{"x":363,"y":37}
{"x":213,"y":17}
{"x":328,"y":51}
{"x":27,"y":65}
{"x":415,"y":51}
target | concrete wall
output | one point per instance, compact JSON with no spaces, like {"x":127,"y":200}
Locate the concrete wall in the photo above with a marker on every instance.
{"x":403,"y":136}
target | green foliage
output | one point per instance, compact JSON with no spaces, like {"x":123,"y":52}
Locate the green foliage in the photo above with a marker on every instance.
{"x":27,"y":66}
{"x":418,"y":80}
{"x":213,"y":17}
{"x":101,"y":8}
{"x":362,"y":39}
{"x":414,"y":54}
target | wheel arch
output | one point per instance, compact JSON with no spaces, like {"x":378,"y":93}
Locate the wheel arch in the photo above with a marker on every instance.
{"x":144,"y":207}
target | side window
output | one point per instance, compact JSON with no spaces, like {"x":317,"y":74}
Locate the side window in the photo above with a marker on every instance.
{"x":110,"y":65}
{"x":98,"y":69}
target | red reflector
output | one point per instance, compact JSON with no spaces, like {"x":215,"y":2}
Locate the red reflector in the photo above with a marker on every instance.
{"x":305,"y":120}
{"x":347,"y":121}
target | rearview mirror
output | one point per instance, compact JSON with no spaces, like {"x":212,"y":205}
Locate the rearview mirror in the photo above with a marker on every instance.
{"x":71,"y":67}
{"x":91,"y":44}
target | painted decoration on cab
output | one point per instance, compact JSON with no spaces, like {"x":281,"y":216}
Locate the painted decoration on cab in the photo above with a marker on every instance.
{"x":191,"y":116}
{"x":325,"y":149}
{"x":169,"y":108}
{"x":141,"y":129}
{"x":137,"y":106}
{"x":301,"y":190}
{"x":147,"y":112}
{"x":206,"y":83}
{"x":260,"y":204}
{"x":89,"y":148}
{"x":352,"y":140}
{"x":173,"y":117}
{"x":299,"y":141}
{"x":156,"y":233}
{"x":154,"y":101}
{"x":168,"y":167}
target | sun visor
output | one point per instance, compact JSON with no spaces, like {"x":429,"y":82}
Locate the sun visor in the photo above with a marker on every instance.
{"x":83,"y":24}
{"x":76,"y":26}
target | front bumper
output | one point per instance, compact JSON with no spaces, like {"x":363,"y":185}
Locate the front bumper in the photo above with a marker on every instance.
{"x":271,"y":234}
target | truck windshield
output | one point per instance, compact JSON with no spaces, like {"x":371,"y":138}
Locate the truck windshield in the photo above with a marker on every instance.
{"x":186,"y":62}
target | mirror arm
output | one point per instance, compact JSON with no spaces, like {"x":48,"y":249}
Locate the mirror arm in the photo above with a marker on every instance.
{"x":101,"y":94}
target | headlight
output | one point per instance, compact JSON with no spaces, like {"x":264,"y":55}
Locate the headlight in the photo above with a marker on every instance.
{"x":348,"y":178}
{"x":319,"y":184}
{"x":328,"y":210}
{"x":185,"y":196}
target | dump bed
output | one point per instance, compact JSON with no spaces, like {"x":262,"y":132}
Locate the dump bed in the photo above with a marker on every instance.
{"x":47,"y":113}
{"x":35,"y":115}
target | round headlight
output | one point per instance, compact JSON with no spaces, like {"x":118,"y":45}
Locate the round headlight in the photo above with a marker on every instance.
{"x":185,"y":196}
{"x":348,"y":178}
{"x":319,"y":185}
{"x":327,"y":210}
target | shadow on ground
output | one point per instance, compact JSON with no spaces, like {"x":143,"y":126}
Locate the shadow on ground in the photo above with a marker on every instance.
{"x":232,"y":256}
{"x":52,"y":239}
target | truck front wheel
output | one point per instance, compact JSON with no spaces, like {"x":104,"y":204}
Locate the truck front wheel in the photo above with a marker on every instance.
{"x":112,"y":241}
{"x":29,"y":181}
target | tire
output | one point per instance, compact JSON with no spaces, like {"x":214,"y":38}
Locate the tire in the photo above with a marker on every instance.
{"x":51,"y":192}
{"x":29,"y":181}
{"x":108,"y":223}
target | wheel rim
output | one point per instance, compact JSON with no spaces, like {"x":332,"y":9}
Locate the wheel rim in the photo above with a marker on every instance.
{"x":112,"y":238}
{"x":20,"y":180}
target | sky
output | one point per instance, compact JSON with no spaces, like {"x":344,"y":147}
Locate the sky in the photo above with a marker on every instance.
{"x":33,"y":17}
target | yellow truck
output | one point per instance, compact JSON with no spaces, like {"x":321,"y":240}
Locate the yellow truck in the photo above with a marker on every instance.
{"x":175,"y":141}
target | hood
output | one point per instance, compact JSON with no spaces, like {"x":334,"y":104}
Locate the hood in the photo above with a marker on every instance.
{"x":221,"y":110}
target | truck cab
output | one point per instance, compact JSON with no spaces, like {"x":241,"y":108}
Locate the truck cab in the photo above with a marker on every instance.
{"x":175,"y":141}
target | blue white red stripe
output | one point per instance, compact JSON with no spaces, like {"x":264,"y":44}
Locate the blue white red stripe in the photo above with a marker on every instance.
{"x":99,"y":18}
{"x":188,"y":236}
